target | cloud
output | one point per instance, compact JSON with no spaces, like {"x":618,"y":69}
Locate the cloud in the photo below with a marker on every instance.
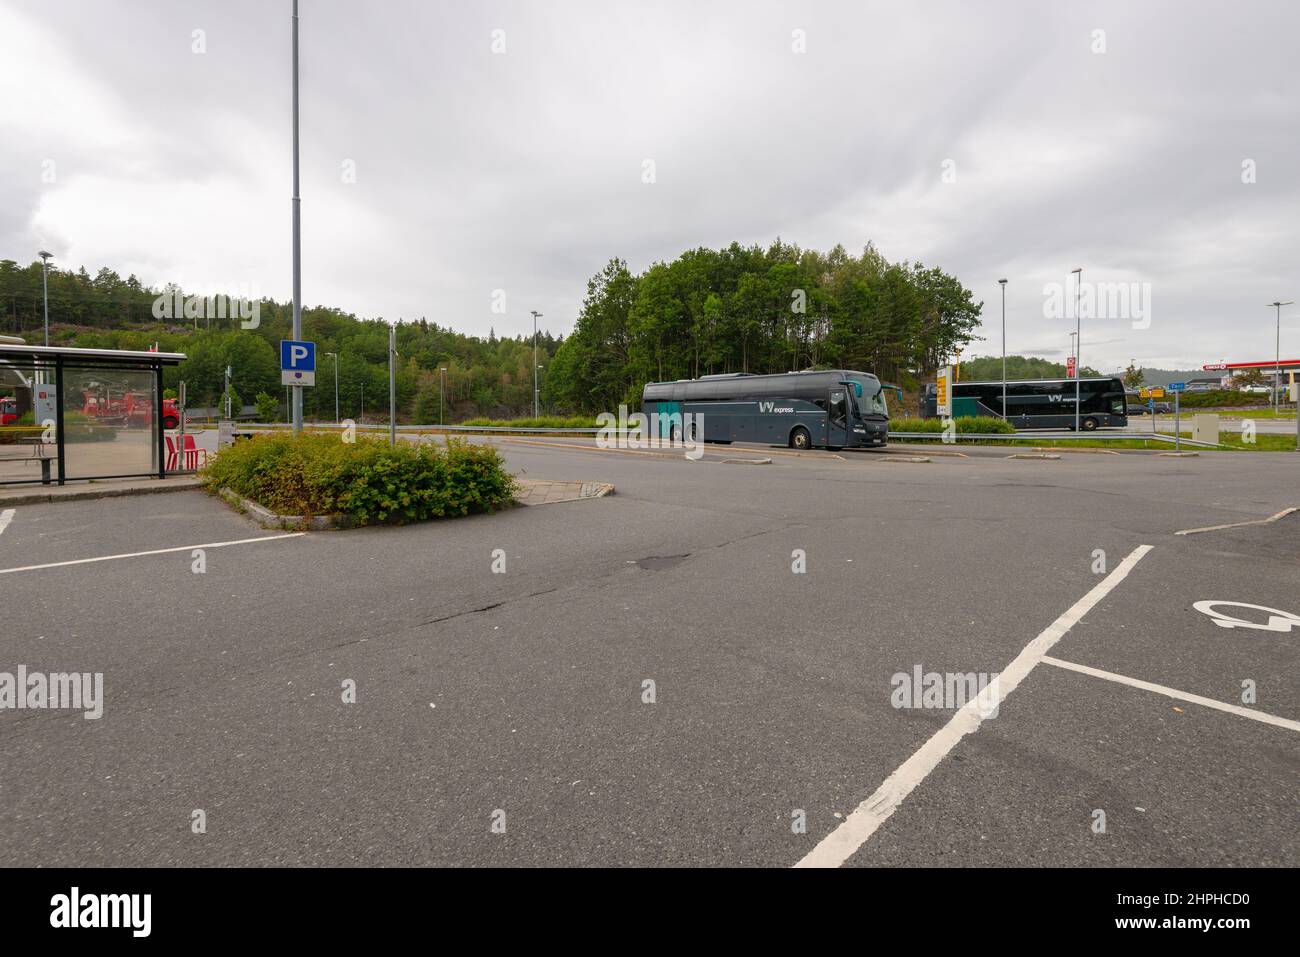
{"x":521,"y":170}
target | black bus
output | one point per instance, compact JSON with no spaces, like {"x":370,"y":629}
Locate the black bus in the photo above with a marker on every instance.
{"x":1040,"y":403}
{"x":828,"y":409}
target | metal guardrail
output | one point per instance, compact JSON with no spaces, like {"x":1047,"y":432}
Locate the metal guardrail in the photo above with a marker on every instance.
{"x":1070,"y":436}
{"x":1033,"y":435}
{"x":426,"y":428}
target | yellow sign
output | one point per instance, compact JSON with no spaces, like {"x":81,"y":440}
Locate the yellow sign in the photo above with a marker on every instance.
{"x":1157,"y":393}
{"x":942,"y":387}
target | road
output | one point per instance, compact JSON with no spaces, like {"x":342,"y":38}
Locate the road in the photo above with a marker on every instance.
{"x":1234,"y":423}
{"x":504,"y":718}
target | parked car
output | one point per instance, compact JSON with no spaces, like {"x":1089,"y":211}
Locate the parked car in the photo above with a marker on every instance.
{"x":1140,"y":408}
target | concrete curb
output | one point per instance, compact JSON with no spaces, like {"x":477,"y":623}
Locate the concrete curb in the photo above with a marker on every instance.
{"x":297,"y":523}
{"x":93,"y":491}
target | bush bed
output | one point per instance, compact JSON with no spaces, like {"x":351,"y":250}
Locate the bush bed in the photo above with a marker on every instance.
{"x":367,"y":480}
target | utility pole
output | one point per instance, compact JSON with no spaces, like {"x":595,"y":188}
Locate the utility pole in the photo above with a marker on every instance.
{"x":297,"y":228}
{"x":1277,"y":356}
{"x":442,"y":390}
{"x":336,"y":385}
{"x":392,"y":384}
{"x":1003,"y":284}
{"x":536,"y":315}
{"x":1078,"y":345}
{"x":45,"y":293}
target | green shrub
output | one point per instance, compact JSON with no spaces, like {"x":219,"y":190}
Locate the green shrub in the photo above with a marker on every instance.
{"x":1220,"y":398}
{"x":268,"y":407}
{"x":965,"y":424}
{"x":314,"y":474}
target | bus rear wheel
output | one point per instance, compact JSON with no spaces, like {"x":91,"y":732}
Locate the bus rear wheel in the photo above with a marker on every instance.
{"x":1090,"y":424}
{"x":800,"y":439}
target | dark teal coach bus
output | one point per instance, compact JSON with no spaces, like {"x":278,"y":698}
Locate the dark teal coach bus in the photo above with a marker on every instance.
{"x":830,"y":409}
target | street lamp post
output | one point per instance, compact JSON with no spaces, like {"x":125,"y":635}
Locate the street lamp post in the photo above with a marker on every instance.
{"x":392,"y":384}
{"x":45,"y":292}
{"x":1078,"y":345}
{"x":1277,"y":356}
{"x":442,"y":390}
{"x":1003,"y":284}
{"x":336,"y":385}
{"x":536,"y":315}
{"x":297,"y":228}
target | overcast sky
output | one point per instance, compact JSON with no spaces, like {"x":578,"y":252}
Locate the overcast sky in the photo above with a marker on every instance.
{"x":990,"y":139}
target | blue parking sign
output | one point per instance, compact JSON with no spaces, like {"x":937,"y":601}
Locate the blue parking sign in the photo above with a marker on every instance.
{"x":297,"y":362}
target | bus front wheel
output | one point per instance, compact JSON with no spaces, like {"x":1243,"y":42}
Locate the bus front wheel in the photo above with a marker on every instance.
{"x":800,"y":439}
{"x":1090,"y":424}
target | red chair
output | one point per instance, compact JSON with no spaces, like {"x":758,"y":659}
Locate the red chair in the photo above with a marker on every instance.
{"x":192,"y":452}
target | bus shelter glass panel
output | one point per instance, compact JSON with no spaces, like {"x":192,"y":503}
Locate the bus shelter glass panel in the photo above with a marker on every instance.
{"x":27,"y":447}
{"x":109,"y":421}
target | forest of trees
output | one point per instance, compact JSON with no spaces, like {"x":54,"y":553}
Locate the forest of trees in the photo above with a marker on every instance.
{"x":738,"y":309}
{"x":989,"y":368}
{"x":749,"y":309}
{"x":485,"y":376}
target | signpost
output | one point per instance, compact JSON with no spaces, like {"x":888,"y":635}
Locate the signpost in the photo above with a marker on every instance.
{"x":1295,"y":397}
{"x":1177,"y":388}
{"x":297,"y":363}
{"x":943,"y":393}
{"x":1069,"y":367}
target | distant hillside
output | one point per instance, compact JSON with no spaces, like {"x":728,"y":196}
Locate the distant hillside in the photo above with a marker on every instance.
{"x":988,"y":368}
{"x":1166,"y":376}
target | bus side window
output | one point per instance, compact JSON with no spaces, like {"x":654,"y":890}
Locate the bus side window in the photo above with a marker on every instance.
{"x":839,"y":407}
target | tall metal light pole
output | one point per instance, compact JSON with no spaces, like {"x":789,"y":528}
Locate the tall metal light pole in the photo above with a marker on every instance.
{"x":442,"y":389}
{"x":1277,"y":356}
{"x":45,"y":292}
{"x":1078,"y":345}
{"x":1003,"y":284}
{"x":392,"y":384}
{"x":536,"y":315}
{"x":336,"y":385}
{"x":297,"y":228}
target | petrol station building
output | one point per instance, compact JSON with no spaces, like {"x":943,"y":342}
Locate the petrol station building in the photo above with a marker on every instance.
{"x":1272,"y":369}
{"x":80,"y":414}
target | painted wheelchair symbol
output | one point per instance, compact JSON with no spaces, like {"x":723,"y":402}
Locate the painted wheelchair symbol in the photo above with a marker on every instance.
{"x":1278,"y":620}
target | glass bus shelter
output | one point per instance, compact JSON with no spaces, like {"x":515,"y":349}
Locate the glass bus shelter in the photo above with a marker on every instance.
{"x":77,"y":414}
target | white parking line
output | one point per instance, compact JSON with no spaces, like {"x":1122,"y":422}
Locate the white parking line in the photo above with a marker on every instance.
{"x":156,"y":551}
{"x":856,"y":829}
{"x":1258,"y":521}
{"x":1174,"y":693}
{"x":6,"y":517}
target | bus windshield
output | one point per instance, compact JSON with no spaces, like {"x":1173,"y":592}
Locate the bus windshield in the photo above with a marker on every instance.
{"x":873,"y":399}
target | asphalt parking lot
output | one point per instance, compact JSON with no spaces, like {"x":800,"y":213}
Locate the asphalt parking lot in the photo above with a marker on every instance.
{"x":506,"y":718}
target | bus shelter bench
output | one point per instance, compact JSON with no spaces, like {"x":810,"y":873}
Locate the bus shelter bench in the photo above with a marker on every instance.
{"x":30,"y":450}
